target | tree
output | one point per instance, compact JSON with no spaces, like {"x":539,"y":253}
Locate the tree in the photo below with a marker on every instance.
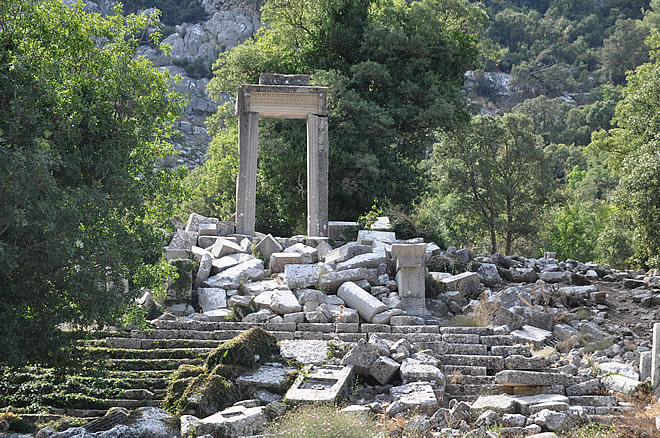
{"x":635,"y":155}
{"x":624,"y":50}
{"x":496,"y":169}
{"x":394,"y":70}
{"x":82,"y":124}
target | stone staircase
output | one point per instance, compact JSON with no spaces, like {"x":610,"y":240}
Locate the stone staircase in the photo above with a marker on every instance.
{"x":135,"y":364}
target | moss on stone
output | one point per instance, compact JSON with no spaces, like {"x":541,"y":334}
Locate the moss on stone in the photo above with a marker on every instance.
{"x":242,"y":349}
{"x":205,"y":395}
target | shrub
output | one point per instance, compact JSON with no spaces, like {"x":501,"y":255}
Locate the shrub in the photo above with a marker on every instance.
{"x":322,"y":421}
{"x":446,"y":263}
{"x":242,"y":349}
{"x":205,"y":395}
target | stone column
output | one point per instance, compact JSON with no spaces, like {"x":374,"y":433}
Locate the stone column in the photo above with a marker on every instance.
{"x":317,"y":175}
{"x":246,"y":186}
{"x":655,"y":359}
{"x":410,"y":277}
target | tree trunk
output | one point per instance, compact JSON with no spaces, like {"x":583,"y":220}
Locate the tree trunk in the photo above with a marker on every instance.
{"x":493,"y":238}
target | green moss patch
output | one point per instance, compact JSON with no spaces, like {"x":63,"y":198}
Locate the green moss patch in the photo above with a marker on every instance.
{"x":246,"y":349}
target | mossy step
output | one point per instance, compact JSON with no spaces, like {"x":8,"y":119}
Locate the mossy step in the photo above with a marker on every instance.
{"x":160,"y":353}
{"x":137,"y":343}
{"x":132,"y":404}
{"x":150,"y":364}
{"x":139,"y":374}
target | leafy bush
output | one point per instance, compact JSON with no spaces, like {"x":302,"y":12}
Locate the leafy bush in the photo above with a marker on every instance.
{"x":446,"y":263}
{"x":322,"y":421}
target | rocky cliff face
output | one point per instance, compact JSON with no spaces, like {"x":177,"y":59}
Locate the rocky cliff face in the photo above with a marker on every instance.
{"x":230,"y":23}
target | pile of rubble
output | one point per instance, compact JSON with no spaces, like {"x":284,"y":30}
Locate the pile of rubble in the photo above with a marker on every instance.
{"x":536,"y":350}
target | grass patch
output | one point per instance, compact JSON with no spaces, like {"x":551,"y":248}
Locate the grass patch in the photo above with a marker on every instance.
{"x":322,"y":421}
{"x":244,"y":349}
{"x":593,"y":430}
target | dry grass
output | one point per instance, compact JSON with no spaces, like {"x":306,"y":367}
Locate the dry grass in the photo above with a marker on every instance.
{"x":322,"y":421}
{"x":638,"y":421}
{"x":545,"y":352}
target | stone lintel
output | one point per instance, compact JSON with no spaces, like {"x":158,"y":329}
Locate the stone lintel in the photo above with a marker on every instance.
{"x":282,"y":101}
{"x":281,"y":79}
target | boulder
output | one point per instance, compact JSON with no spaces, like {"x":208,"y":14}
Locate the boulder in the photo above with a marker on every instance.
{"x":384,"y":369}
{"x":233,"y":422}
{"x":267,"y":246}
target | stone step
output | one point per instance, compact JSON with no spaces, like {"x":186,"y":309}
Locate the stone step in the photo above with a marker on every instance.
{"x":459,"y":379}
{"x":150,"y":364}
{"x":156,"y":353}
{"x":476,"y":390}
{"x":499,"y":340}
{"x":490,"y":362}
{"x":511,"y":350}
{"x":481,"y":331}
{"x":464,"y":370}
{"x":592,"y":400}
{"x":455,"y":338}
{"x":132,"y":404}
{"x":139,"y":374}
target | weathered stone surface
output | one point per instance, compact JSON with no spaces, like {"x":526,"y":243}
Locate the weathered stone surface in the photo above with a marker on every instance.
{"x":384,"y":369}
{"x":413,"y":370}
{"x":183,"y":240}
{"x":489,"y":274}
{"x":360,"y":300}
{"x":555,"y":421}
{"x":330,"y":281}
{"x":307,"y":253}
{"x":361,"y":356}
{"x":278,"y":260}
{"x":416,"y":395}
{"x":532,"y":335}
{"x":589,"y":387}
{"x":205,"y":265}
{"x":211,"y":298}
{"x":523,"y":275}
{"x":284,"y":301}
{"x":619,"y":383}
{"x":366,"y":237}
{"x":195,"y":220}
{"x":311,"y":352}
{"x":271,"y":376}
{"x":301,"y":276}
{"x":555,"y":276}
{"x":563,"y":331}
{"x":311,"y":295}
{"x":229,"y":261}
{"x":529,"y":378}
{"x":233,"y":277}
{"x":467,"y":283}
{"x":234,"y":422}
{"x":346,"y":252}
{"x":223,"y":247}
{"x":339,"y":314}
{"x":326,"y":383}
{"x":368,"y":260}
{"x":384,"y":317}
{"x":267,"y":246}
{"x":502,"y":404}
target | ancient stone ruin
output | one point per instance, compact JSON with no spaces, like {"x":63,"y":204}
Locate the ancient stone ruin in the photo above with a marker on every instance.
{"x":288,"y":97}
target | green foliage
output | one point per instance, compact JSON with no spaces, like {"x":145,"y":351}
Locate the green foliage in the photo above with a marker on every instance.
{"x":173,"y":11}
{"x":322,"y":421}
{"x":394,"y":72}
{"x":83,"y":122}
{"x":495,"y":172}
{"x":635,"y":155}
{"x":242,"y":349}
{"x":205,"y":393}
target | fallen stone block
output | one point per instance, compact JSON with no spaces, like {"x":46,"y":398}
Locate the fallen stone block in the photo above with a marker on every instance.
{"x":502,"y":404}
{"x":269,"y":376}
{"x":529,"y":378}
{"x":366,"y":237}
{"x":327,"y":383}
{"x":233,"y":277}
{"x":267,"y":247}
{"x":417,"y":395}
{"x":204,"y":270}
{"x":346,"y":252}
{"x":555,"y":421}
{"x":467,"y":283}
{"x":304,"y":351}
{"x":307,"y":253}
{"x":413,"y":370}
{"x":278,"y":261}
{"x":211,"y":298}
{"x":360,"y":300}
{"x":489,"y":274}
{"x":330,"y":281}
{"x":301,"y":276}
{"x":385,"y":317}
{"x":223,"y":247}
{"x":284,"y":301}
{"x":384,"y":369}
{"x":234,"y":421}
{"x":368,"y":260}
{"x":361,"y":357}
{"x":532,"y":335}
